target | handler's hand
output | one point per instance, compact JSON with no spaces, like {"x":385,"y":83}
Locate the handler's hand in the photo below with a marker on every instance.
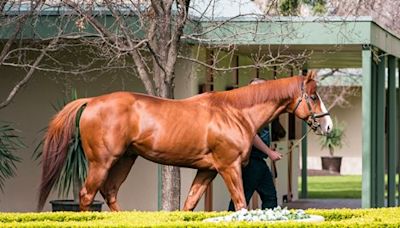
{"x":274,"y":155}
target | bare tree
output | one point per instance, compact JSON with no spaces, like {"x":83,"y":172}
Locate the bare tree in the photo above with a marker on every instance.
{"x":18,"y":22}
{"x":384,"y":12}
{"x":340,"y":86}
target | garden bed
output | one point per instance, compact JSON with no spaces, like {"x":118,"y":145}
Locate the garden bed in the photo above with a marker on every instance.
{"x":385,"y":217}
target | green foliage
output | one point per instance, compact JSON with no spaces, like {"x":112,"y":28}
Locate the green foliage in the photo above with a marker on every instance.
{"x":74,"y":171}
{"x":75,"y":168}
{"x":291,"y":7}
{"x":334,"y":138}
{"x":382,"y":217}
{"x":10,"y":142}
{"x":319,"y":7}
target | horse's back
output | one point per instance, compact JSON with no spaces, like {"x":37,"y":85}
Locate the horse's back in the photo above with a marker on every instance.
{"x":175,"y":132}
{"x":156,"y":128}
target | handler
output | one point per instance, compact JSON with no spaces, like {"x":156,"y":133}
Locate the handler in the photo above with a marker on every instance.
{"x":256,"y":175}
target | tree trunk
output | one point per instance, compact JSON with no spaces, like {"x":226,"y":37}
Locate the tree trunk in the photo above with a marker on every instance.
{"x":171,"y":188}
{"x":171,"y":175}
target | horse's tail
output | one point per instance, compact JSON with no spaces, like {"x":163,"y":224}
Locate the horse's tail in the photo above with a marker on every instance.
{"x":58,"y":136}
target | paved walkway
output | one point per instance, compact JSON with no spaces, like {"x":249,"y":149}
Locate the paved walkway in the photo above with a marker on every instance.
{"x":323,"y":203}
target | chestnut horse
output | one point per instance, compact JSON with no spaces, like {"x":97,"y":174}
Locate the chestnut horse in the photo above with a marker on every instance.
{"x":211,"y":132}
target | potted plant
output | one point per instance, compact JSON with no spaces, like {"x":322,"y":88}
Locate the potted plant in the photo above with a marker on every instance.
{"x":332,"y":141}
{"x":73,"y":173}
{"x":9,"y":143}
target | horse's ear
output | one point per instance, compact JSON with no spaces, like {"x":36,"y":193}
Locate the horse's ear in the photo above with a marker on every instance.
{"x":310,"y":75}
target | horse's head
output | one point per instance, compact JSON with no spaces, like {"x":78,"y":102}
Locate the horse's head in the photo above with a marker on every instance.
{"x":309,"y":106}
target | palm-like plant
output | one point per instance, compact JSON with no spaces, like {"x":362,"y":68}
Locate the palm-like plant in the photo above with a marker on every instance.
{"x":74,"y":171}
{"x":334,"y":138}
{"x":10,"y":142}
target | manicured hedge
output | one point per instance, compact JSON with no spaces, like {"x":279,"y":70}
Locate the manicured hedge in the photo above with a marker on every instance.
{"x":385,"y":217}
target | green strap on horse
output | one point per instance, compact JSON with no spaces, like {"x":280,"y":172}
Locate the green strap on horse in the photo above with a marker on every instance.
{"x":77,"y":120}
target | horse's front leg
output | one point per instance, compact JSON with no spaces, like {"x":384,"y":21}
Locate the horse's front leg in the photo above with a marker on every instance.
{"x":199,"y":185}
{"x":232,"y":175}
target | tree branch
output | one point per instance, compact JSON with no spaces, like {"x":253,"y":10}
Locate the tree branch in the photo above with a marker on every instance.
{"x":28,"y":75}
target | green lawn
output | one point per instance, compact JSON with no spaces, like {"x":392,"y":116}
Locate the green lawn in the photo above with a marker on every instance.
{"x":348,"y":187}
{"x":328,"y":187}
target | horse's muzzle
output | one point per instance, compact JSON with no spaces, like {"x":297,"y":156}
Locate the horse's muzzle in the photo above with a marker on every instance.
{"x":316,"y":126}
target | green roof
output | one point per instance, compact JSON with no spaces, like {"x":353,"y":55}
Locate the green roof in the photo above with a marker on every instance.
{"x":333,"y":42}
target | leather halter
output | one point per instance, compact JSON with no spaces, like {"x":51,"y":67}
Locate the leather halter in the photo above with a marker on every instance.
{"x":314,"y":124}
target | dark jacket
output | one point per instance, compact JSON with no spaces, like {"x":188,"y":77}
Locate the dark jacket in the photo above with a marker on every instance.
{"x":265,"y":137}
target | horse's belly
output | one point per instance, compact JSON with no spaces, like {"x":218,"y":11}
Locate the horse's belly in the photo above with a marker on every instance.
{"x":190,"y":160}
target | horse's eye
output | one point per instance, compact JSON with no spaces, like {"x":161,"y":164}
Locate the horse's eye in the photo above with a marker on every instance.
{"x":313,"y":97}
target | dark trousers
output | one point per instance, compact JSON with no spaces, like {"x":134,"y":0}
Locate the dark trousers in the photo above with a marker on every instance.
{"x":257,"y":177}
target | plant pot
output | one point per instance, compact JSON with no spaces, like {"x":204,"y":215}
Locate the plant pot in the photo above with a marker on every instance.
{"x":71,"y":205}
{"x":332,"y":164}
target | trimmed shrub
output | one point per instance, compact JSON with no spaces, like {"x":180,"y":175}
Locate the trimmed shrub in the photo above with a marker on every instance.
{"x":383,"y":217}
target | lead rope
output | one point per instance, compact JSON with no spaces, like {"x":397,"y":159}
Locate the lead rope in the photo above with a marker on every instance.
{"x":289,"y":195}
{"x":273,"y":147}
{"x":297,"y":142}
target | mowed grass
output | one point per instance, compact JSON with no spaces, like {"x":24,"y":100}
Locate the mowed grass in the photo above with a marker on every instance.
{"x":336,"y":187}
{"x":328,"y":187}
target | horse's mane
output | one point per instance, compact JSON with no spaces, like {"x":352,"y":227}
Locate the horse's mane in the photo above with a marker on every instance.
{"x":273,"y":90}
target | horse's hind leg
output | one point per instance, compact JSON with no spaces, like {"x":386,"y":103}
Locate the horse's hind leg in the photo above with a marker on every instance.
{"x":117,"y":175}
{"x":98,"y":171}
{"x":100,"y":161}
{"x":199,"y":185}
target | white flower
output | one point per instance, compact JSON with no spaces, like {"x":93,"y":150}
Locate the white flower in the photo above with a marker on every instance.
{"x":262,"y":215}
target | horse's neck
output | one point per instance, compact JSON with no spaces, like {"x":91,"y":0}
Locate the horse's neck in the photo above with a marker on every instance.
{"x":265,"y":113}
{"x":259,"y":103}
{"x":269,"y":107}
